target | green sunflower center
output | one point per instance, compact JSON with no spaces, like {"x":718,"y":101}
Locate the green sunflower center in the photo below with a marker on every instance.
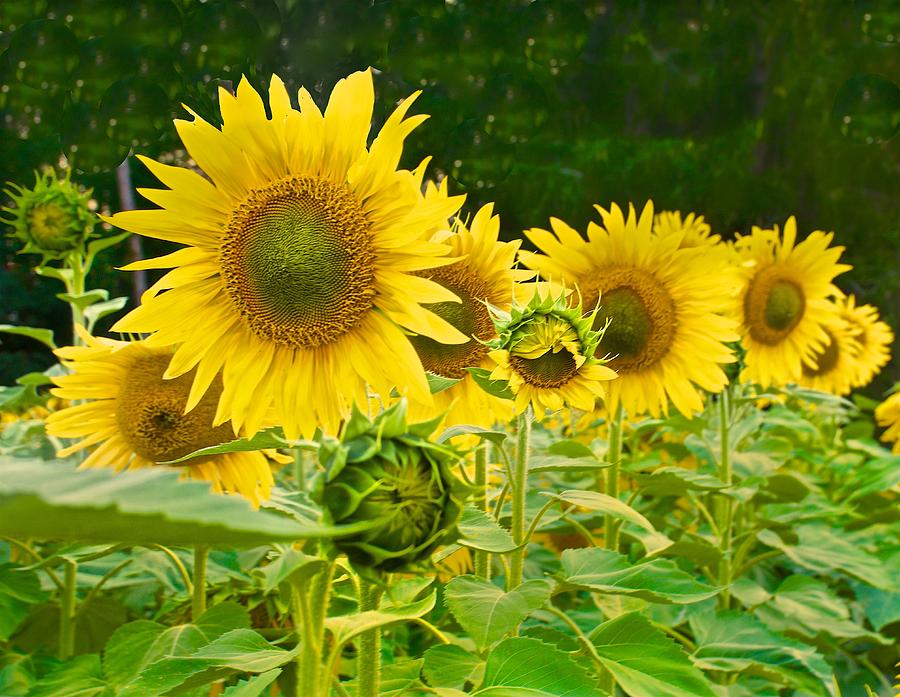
{"x":547,"y":371}
{"x":150,"y":412}
{"x":642,"y":319}
{"x":773,"y":306}
{"x":298,"y":262}
{"x":470,"y":316}
{"x":48,"y":224}
{"x":825,"y":360}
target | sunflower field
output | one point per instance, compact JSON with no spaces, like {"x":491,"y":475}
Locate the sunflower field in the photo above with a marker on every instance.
{"x":400,"y":349}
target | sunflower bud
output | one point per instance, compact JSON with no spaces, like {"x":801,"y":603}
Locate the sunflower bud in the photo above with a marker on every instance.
{"x":53,"y":218}
{"x":389,"y":479}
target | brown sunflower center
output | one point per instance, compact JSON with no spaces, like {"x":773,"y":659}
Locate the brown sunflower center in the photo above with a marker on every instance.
{"x":773,"y":306}
{"x":150,"y":412}
{"x":298,"y":262}
{"x":642,"y":319}
{"x":825,"y":360}
{"x":548,"y":371}
{"x":470,"y":316}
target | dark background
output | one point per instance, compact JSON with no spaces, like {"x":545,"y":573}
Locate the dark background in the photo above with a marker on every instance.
{"x":746,"y":112}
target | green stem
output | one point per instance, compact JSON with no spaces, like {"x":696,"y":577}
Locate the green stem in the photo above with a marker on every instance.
{"x":482,"y":559}
{"x":198,"y":597}
{"x":614,"y":457}
{"x":300,"y":468}
{"x":726,"y":509}
{"x":67,"y":612}
{"x":368,"y":661}
{"x":76,"y":288}
{"x":309,"y":666}
{"x":519,"y":489}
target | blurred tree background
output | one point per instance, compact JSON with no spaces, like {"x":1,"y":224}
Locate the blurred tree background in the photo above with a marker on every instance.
{"x":745,"y":112}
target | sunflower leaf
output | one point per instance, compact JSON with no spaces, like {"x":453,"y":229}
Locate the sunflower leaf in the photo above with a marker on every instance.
{"x":45,"y":336}
{"x":497,"y":388}
{"x":264,"y":440}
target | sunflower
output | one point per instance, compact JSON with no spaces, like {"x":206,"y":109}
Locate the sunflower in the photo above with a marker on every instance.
{"x":692,"y":230}
{"x":545,"y":352}
{"x":833,"y":367}
{"x":298,"y":280}
{"x":888,"y":415}
{"x":483,"y":276}
{"x":665,"y":337}
{"x":873,"y":336}
{"x":783,"y":305}
{"x":133,"y":418}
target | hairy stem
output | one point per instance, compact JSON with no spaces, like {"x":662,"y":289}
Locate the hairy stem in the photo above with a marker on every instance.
{"x":369,"y":657}
{"x":614,"y":456}
{"x":198,"y":597}
{"x":726,"y":509}
{"x":300,"y":468}
{"x":482,"y":558}
{"x":67,"y":612}
{"x":519,"y":489}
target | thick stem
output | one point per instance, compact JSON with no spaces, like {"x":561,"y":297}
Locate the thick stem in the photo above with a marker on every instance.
{"x":614,"y":456}
{"x":726,"y":509}
{"x":309,"y":664}
{"x":519,"y":489}
{"x":75,"y":287}
{"x":482,"y":559}
{"x":67,"y":612}
{"x":368,"y":660}
{"x":198,"y":597}
{"x":300,"y":468}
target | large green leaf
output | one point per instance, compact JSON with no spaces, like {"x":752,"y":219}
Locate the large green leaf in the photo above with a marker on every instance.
{"x":486,"y":612}
{"x":734,"y":642}
{"x":240,"y":650}
{"x":807,"y":606}
{"x":606,"y":571}
{"x":645,"y":662}
{"x":289,"y":565}
{"x":522,"y":667}
{"x":80,"y":677}
{"x":346,"y":627}
{"x":19,"y":590}
{"x":253,"y":687}
{"x":45,"y":336}
{"x":823,"y":550}
{"x":449,"y":665}
{"x":478,"y":530}
{"x":264,"y":440}
{"x":608,"y":505}
{"x":53,"y":500}
{"x":676,"y":481}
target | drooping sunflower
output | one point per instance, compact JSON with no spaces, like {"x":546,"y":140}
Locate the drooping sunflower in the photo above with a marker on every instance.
{"x":873,"y":335}
{"x":783,"y":301}
{"x":299,"y":277}
{"x":484,"y":275}
{"x":545,"y":353}
{"x":693,"y":230}
{"x":888,"y":416}
{"x":665,"y":336}
{"x":133,"y":418}
{"x":833,"y":367}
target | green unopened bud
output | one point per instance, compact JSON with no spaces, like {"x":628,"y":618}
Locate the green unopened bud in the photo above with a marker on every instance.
{"x":53,"y":218}
{"x":390,"y":476}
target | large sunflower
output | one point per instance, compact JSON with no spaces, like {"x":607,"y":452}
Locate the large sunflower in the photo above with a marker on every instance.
{"x":300,"y":269}
{"x":888,"y":415}
{"x":873,"y":336}
{"x":133,"y":418}
{"x":834,"y":366}
{"x":783,"y":301}
{"x":545,"y":352}
{"x":484,"y":275}
{"x":665,"y":337}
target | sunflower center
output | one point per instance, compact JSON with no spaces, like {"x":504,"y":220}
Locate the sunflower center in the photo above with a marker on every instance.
{"x":48,"y":224}
{"x":553,"y":369}
{"x":773,"y":306}
{"x":150,"y":412}
{"x":642,"y":319}
{"x":298,"y":262}
{"x":825,"y":360}
{"x":470,"y":316}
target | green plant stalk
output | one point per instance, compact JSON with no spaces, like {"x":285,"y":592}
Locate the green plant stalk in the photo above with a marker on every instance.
{"x":519,"y":489}
{"x":75,"y":287}
{"x":198,"y":596}
{"x":482,"y":558}
{"x":309,"y":664}
{"x":614,"y":456}
{"x":67,"y":612}
{"x":300,"y":468}
{"x":368,"y":661}
{"x":726,"y":509}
